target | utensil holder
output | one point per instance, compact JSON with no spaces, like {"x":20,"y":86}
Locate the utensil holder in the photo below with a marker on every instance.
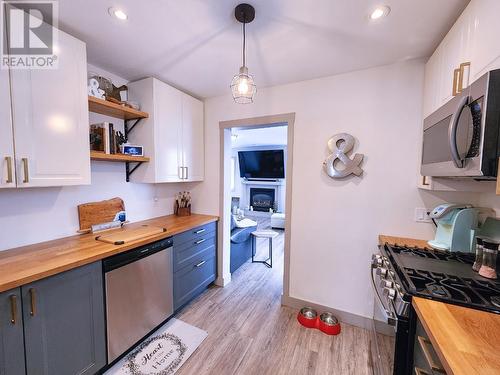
{"x":182,"y":211}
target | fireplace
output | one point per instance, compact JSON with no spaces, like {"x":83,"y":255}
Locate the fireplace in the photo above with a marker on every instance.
{"x":262,"y":199}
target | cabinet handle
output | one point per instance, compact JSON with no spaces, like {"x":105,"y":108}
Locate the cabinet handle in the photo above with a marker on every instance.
{"x":419,"y":371}
{"x":180,"y":173}
{"x":456,"y":75}
{"x":200,"y":264}
{"x":199,"y":231}
{"x":187,"y":175}
{"x":13,"y":308}
{"x":425,"y":181}
{"x":26,"y":171}
{"x":8,"y":160}
{"x":424,"y":344}
{"x":33,"y":301}
{"x":200,"y":241}
{"x":461,"y":76}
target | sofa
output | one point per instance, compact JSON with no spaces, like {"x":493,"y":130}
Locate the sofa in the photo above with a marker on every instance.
{"x":241,"y":244}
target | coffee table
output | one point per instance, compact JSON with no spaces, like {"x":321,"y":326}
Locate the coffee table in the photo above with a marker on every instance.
{"x":269,"y":234}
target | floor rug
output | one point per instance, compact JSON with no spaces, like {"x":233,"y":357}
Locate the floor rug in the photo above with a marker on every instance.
{"x":162,"y":353}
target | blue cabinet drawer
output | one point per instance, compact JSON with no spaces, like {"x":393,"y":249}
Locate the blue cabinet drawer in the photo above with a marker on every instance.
{"x":193,"y":279}
{"x":187,"y":252}
{"x":194,"y":234}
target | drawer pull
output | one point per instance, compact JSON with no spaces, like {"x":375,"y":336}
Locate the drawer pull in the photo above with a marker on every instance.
{"x":199,"y":231}
{"x":419,"y":371}
{"x":33,"y":301}
{"x":424,"y":344}
{"x":13,"y":308}
{"x":200,"y":264}
{"x":8,"y":160}
{"x":200,"y":241}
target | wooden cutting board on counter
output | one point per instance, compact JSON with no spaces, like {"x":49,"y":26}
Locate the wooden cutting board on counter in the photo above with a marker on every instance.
{"x":98,"y":212}
{"x":125,"y":235}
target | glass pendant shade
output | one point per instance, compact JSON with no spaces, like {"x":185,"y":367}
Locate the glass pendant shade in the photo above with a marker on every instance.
{"x":243,"y":87}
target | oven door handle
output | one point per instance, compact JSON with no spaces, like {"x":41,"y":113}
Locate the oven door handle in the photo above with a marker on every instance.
{"x":392,"y":319}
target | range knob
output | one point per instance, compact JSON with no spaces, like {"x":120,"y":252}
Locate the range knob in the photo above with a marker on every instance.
{"x":386,"y":284}
{"x":377,"y":260}
{"x":390,"y":293}
{"x":382,"y":272}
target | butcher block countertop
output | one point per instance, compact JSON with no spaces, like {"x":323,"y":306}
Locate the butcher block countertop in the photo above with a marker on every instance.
{"x":34,"y":262}
{"x":467,"y":341}
{"x":403,"y":241}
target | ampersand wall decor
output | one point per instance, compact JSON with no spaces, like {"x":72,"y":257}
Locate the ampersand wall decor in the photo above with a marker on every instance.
{"x":339,"y":145}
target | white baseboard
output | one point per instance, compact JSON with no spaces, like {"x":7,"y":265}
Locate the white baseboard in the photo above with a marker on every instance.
{"x":343,"y":316}
{"x":224,"y":280}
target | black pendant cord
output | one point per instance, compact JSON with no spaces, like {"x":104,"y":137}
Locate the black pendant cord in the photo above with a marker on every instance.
{"x":244,"y":44}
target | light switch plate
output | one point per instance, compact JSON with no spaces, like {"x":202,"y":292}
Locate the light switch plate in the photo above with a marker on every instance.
{"x":422,"y":216}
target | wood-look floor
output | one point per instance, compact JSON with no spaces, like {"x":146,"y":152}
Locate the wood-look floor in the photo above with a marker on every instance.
{"x":249,"y":332}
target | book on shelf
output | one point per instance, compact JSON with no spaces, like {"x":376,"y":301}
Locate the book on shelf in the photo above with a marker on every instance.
{"x":103,"y":138}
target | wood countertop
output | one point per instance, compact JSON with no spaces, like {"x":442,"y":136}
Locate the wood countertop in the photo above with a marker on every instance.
{"x":467,"y":341}
{"x":26,"y":264}
{"x":403,"y":241}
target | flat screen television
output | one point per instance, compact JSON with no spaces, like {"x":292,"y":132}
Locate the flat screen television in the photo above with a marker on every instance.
{"x":262,"y":164}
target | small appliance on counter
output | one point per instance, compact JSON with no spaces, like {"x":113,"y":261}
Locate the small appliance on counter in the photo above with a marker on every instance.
{"x":456,"y":227}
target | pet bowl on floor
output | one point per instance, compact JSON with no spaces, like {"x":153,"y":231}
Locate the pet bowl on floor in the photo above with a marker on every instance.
{"x":328,"y":324}
{"x":308,"y":317}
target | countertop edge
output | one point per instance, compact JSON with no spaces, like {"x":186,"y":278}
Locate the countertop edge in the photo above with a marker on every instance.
{"x":442,"y":357}
{"x":84,"y":260}
{"x":403,"y":241}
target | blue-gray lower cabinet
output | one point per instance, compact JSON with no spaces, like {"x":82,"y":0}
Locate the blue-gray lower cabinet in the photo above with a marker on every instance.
{"x":64,"y":325}
{"x":11,"y":333}
{"x":195,"y":262}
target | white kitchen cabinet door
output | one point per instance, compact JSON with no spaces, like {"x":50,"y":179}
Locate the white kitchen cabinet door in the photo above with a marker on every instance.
{"x":51,"y":123}
{"x":167,"y":133}
{"x":432,"y":83}
{"x":485,"y":34}
{"x":7,"y":160}
{"x":193,"y":151}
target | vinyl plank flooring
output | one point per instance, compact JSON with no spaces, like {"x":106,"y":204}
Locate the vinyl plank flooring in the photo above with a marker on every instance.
{"x":249,"y":332}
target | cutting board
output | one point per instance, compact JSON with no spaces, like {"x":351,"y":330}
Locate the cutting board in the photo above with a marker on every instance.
{"x":98,"y":212}
{"x":126,"y":235}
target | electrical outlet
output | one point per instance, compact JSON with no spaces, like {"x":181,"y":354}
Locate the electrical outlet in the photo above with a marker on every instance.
{"x":422,"y":216}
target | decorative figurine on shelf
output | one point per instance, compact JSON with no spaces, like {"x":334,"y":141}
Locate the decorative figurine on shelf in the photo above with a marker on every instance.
{"x":120,"y":140}
{"x":94,"y":90}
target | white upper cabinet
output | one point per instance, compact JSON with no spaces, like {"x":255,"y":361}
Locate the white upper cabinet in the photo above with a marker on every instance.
{"x":7,"y":161}
{"x":485,"y":36}
{"x":468,"y":51}
{"x":51,"y":123}
{"x":172,"y":136}
{"x":193,"y":149}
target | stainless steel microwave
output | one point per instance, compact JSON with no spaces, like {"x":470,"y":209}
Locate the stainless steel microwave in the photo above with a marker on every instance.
{"x":461,"y":139}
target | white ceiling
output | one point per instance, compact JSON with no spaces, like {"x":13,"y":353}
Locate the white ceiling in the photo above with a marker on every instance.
{"x":271,"y":136}
{"x":195,"y":45}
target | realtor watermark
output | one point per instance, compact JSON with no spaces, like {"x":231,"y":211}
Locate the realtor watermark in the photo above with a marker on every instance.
{"x":29,"y":35}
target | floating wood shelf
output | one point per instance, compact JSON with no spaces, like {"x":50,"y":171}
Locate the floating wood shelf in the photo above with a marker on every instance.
{"x":101,"y":156}
{"x":107,"y":108}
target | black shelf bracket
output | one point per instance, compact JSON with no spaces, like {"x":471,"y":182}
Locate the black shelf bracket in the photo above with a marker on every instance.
{"x":129,"y":125}
{"x":129,"y":170}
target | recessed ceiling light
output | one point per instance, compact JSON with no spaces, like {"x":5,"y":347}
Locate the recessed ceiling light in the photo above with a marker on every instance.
{"x":118,"y":13}
{"x":379,"y":12}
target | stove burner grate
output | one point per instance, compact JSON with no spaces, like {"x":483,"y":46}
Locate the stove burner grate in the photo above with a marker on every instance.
{"x":466,"y":258}
{"x":481,"y":293}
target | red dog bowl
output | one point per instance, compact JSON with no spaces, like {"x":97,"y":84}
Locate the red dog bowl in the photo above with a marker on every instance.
{"x":329,"y":324}
{"x":308,"y":317}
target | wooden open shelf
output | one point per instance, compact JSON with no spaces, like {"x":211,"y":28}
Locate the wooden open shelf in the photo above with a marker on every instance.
{"x":107,"y":108}
{"x":101,"y":156}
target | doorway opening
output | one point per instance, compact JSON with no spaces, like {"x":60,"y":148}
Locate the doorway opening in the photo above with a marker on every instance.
{"x":256,"y":176}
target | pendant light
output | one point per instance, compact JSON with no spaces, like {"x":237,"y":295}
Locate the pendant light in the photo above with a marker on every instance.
{"x":242,"y":86}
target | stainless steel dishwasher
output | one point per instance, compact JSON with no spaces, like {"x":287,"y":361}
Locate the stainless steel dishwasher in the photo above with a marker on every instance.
{"x":139,"y":294}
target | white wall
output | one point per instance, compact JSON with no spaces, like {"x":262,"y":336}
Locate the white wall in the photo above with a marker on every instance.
{"x":39,"y":214}
{"x":335,"y":224}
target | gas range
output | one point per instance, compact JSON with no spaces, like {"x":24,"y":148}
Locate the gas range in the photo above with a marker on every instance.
{"x":443,"y":276}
